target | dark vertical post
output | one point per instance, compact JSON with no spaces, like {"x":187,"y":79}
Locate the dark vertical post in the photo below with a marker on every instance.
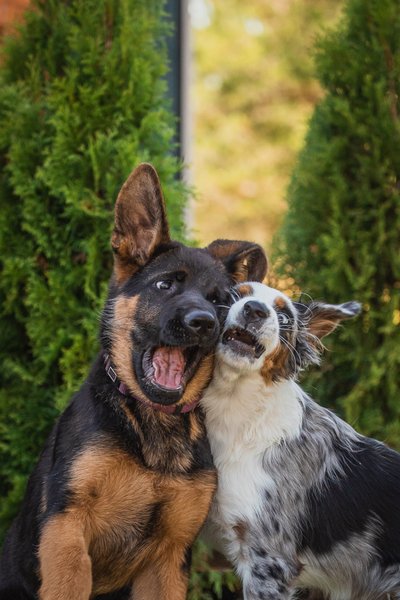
{"x":177,"y":79}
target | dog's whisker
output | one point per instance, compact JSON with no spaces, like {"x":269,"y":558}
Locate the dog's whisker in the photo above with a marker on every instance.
{"x":235,"y":294}
{"x":311,"y":299}
{"x":291,"y":349}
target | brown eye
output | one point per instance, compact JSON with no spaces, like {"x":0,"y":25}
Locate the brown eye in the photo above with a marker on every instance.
{"x":213,"y":298}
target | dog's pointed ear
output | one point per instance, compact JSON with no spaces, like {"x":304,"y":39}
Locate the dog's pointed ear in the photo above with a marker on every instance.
{"x":321,"y":319}
{"x":140,"y":221}
{"x":244,"y":261}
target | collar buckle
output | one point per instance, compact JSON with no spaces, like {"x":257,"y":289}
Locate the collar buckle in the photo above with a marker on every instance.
{"x":170,"y":409}
{"x":112,"y":374}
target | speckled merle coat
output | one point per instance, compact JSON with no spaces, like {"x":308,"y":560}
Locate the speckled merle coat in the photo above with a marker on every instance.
{"x":303,"y":501}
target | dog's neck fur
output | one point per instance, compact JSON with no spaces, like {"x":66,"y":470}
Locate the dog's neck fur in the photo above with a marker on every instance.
{"x":244,"y":413}
{"x":245,"y":419}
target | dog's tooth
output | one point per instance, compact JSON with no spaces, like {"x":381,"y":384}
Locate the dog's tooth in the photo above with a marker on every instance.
{"x":156,"y":367}
{"x":177,"y":380}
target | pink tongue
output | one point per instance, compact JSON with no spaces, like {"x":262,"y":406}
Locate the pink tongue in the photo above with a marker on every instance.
{"x":169,"y":366}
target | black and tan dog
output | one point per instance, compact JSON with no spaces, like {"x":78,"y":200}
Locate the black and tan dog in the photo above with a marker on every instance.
{"x":126,"y":478}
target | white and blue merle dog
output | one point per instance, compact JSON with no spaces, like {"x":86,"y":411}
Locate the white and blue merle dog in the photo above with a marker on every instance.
{"x":303,"y":501}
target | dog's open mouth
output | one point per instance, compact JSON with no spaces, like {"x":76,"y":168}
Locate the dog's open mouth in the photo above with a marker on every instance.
{"x":169,"y":368}
{"x":242,"y":342}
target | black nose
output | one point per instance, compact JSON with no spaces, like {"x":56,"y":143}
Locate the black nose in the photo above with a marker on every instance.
{"x":200,"y":322}
{"x":255,"y":311}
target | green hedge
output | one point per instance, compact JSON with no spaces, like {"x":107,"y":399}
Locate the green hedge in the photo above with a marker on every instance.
{"x":82,"y":101}
{"x":341,"y":236}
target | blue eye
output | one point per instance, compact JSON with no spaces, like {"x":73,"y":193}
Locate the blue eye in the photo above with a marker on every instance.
{"x":164,"y":285}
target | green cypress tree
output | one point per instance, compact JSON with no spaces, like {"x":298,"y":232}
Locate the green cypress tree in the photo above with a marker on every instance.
{"x":82,"y":101}
{"x":340,"y":239}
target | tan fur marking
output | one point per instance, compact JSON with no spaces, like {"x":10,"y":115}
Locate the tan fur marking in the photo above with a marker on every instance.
{"x":186,"y":510}
{"x":113,"y":497}
{"x":240,"y":529}
{"x":274,"y":364}
{"x":114,"y":475}
{"x":280,"y":302}
{"x":121,"y":350}
{"x":65,"y":566}
{"x":199,"y":380}
{"x":222,"y":249}
{"x":165,"y":580}
{"x":121,"y":516}
{"x":172,"y":578}
{"x":188,"y":502}
{"x":147,"y":585}
{"x":244,"y":290}
{"x":123,"y":270}
{"x":242,"y":271}
{"x":322,"y":326}
{"x":195,"y":430}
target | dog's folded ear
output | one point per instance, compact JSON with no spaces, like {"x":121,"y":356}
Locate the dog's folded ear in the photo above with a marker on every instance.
{"x":140,"y":221}
{"x":321,"y":319}
{"x":244,"y":261}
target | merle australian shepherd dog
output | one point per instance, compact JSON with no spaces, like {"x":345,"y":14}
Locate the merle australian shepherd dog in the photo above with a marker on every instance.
{"x":126,"y":477}
{"x":303,"y":500}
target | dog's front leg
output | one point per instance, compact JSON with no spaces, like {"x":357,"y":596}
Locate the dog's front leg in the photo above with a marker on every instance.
{"x":164,"y":579}
{"x":65,"y":566}
{"x":268,"y":577}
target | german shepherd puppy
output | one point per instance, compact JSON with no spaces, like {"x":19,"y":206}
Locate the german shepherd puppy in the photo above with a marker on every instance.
{"x":126,"y":478}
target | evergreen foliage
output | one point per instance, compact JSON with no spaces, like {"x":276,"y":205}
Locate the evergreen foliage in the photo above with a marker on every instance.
{"x":82,"y":101}
{"x":340,"y":239}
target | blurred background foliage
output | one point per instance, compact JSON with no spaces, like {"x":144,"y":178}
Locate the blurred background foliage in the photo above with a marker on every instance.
{"x":340,"y":238}
{"x":253,"y":92}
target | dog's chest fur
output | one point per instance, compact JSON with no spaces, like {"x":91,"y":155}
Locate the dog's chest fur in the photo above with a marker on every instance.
{"x":246,"y":421}
{"x":133,"y":514}
{"x":284,"y":465}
